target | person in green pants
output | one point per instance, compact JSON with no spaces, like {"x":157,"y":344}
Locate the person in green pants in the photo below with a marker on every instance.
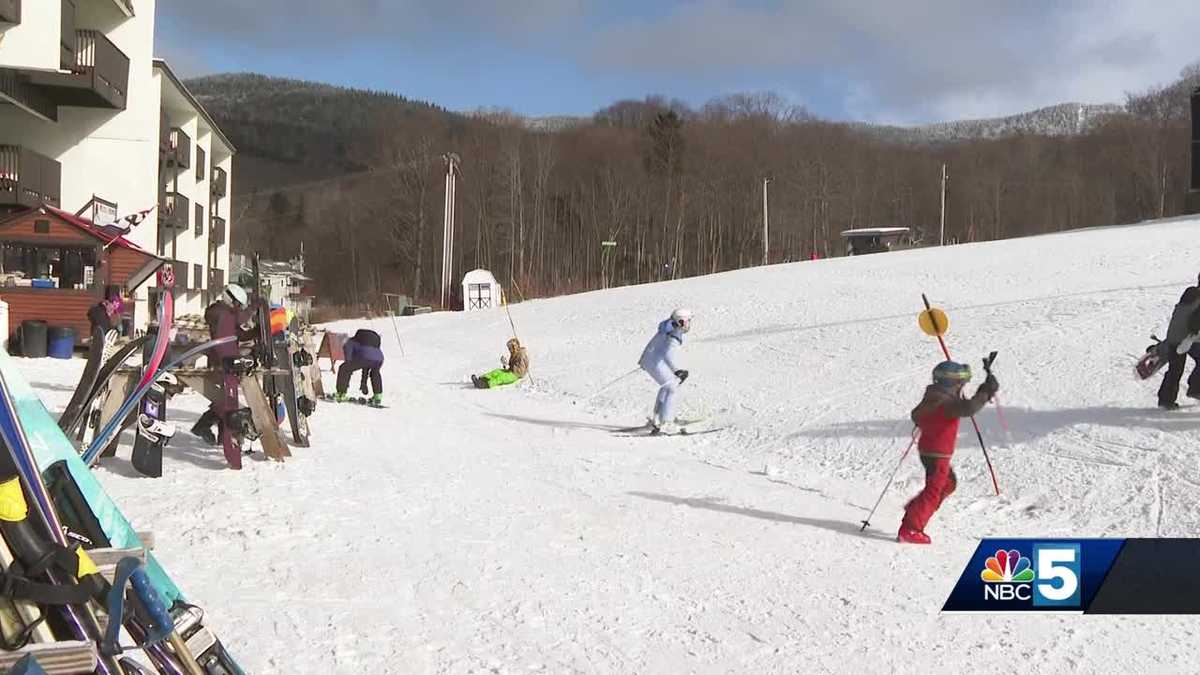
{"x":515,"y":366}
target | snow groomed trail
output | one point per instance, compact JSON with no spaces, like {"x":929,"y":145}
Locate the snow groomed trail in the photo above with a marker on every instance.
{"x":509,"y":531}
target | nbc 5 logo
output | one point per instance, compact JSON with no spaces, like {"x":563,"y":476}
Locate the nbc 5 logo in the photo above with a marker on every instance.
{"x":1050,"y":579}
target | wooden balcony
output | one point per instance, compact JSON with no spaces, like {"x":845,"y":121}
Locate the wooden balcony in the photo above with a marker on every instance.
{"x":216,"y":232}
{"x":10,"y":12}
{"x":219,"y":182}
{"x":99,"y":76}
{"x":216,"y":279}
{"x":66,"y":41}
{"x":175,"y":211}
{"x":180,"y":153}
{"x":181,"y":273}
{"x":27,"y":178}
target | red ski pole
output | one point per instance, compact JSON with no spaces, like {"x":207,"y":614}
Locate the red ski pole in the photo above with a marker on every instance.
{"x":937,"y":330}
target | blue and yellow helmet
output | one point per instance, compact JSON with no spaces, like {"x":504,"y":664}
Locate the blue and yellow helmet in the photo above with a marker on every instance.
{"x":950,"y":373}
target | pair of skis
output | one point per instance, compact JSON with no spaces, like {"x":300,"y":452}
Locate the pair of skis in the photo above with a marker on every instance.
{"x":79,"y":505}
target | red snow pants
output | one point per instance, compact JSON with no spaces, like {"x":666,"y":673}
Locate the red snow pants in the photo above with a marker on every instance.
{"x":940,"y":482}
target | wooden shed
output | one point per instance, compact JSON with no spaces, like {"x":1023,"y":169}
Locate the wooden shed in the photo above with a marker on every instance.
{"x":54,"y":266}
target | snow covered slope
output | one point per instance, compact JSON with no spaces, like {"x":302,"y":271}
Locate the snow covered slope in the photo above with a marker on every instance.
{"x":508,"y":531}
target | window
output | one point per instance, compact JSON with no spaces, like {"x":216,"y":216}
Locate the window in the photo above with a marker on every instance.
{"x":199,"y":220}
{"x":200,"y":162}
{"x":67,"y":267}
{"x":197,"y":275}
{"x":479,"y":296}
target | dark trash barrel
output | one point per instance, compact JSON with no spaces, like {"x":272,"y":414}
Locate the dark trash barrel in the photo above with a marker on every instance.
{"x":60,"y":341}
{"x":33,"y":338}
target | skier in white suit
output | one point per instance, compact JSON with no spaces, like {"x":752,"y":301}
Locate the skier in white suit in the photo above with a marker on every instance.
{"x":659,"y":360}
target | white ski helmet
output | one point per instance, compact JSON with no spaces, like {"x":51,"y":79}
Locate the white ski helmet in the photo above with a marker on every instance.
{"x":237,"y":295}
{"x":682,"y":319}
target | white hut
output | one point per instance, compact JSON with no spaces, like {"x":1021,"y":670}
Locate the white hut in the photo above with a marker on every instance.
{"x":480,"y":291}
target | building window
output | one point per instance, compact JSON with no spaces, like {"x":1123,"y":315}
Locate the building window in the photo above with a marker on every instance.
{"x":64,"y":266}
{"x":199,"y":220}
{"x":200,"y":162}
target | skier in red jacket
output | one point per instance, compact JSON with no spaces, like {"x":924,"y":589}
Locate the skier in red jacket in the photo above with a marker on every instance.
{"x":937,"y":416}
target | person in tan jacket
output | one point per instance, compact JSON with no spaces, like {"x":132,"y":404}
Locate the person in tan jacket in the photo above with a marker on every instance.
{"x":513,"y":368}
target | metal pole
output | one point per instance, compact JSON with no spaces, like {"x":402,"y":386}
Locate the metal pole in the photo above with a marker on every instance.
{"x":445,"y":230}
{"x":766,"y":223}
{"x":942,"y":239}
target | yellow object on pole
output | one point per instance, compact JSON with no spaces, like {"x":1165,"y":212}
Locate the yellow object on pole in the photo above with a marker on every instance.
{"x":933,"y":322}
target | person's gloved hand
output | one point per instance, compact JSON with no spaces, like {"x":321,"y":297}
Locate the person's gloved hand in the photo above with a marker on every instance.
{"x":682,"y":375}
{"x":990,"y":386}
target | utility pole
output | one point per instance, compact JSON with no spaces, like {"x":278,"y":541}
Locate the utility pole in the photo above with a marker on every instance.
{"x":452,"y":161}
{"x":766,"y":222}
{"x":942,"y":239}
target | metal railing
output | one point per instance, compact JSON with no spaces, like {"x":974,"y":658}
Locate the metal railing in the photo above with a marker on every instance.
{"x":27,"y":178}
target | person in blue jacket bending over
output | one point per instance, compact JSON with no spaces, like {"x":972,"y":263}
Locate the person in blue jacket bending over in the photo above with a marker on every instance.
{"x":660,"y":361}
{"x":362,"y":353}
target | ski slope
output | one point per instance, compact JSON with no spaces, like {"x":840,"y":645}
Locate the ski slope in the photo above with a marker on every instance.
{"x":509,"y":531}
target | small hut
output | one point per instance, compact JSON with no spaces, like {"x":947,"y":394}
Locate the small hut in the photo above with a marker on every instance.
{"x":54,"y":266}
{"x":873,"y":239}
{"x":480,"y":291}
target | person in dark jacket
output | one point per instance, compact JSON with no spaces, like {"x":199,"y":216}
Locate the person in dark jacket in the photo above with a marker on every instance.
{"x":362,"y":353}
{"x":937,"y":417}
{"x":102,"y":315}
{"x":224,"y":317}
{"x":1181,"y":333}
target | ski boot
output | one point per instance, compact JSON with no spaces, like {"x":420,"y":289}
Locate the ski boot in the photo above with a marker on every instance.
{"x":376,"y":401}
{"x":1168,"y":405}
{"x":479,"y":382}
{"x":204,"y":432}
{"x":907,"y":535}
{"x":341,"y":397}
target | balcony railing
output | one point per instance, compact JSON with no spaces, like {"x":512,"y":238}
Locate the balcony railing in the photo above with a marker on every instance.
{"x":181,"y":274}
{"x":216,"y":279}
{"x":175,"y":211}
{"x":27,"y":178}
{"x":164,"y":134}
{"x":220,"y":180}
{"x":99,"y":76}
{"x":10,"y":11}
{"x":180,"y":154}
{"x":216,"y":232}
{"x":15,"y":87}
{"x":66,"y":40}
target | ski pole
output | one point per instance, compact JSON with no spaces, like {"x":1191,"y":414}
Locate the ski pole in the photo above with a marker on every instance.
{"x":899,"y":464}
{"x":987,"y":368}
{"x":513,"y":325}
{"x":974,"y":423}
{"x":601,"y":390}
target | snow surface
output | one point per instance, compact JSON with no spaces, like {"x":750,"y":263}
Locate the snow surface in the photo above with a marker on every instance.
{"x":508,"y":531}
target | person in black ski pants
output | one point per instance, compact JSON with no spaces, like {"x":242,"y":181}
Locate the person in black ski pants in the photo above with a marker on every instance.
{"x":362,"y":353}
{"x":1184,"y":326}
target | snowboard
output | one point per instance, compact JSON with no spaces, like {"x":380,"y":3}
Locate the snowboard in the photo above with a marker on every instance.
{"x":1153,"y":360}
{"x":264,"y":418}
{"x":230,"y":441}
{"x":97,"y":354}
{"x":148,"y":445}
{"x":289,"y":387}
{"x":86,"y":417}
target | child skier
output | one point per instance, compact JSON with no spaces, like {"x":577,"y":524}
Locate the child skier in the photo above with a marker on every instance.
{"x":513,"y":367}
{"x":659,"y":361}
{"x":362,"y":353}
{"x":937,"y":417}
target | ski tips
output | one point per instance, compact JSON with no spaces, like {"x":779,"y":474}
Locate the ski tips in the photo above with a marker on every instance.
{"x":865,"y":524}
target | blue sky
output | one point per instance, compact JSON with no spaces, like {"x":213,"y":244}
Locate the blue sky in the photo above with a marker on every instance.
{"x":902,"y":62}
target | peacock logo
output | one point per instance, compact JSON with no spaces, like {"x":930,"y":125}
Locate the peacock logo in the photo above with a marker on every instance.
{"x":1008,"y":567}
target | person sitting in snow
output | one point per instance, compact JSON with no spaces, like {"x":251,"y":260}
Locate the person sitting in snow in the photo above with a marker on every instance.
{"x":1181,"y":339}
{"x":362,"y":353}
{"x":513,"y":368}
{"x":937,"y":417}
{"x":659,"y":360}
